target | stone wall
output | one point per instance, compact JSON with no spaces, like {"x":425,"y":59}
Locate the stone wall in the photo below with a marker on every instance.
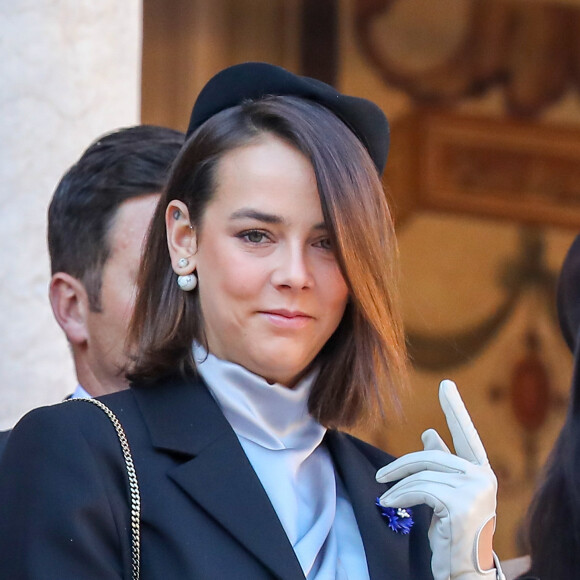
{"x":70,"y":71}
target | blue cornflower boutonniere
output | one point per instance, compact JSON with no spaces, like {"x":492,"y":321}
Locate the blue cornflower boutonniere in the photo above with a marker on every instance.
{"x":400,"y":520}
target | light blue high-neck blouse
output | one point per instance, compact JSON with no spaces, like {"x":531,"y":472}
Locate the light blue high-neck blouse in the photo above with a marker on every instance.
{"x":284,"y":445}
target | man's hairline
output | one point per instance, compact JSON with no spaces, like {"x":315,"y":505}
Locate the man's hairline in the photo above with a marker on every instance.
{"x":107,"y":251}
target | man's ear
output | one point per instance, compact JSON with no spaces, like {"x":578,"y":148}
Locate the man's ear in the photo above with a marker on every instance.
{"x":70,"y":306}
{"x":181,"y":238}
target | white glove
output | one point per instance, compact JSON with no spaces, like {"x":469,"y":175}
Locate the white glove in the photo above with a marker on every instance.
{"x":461,"y":489}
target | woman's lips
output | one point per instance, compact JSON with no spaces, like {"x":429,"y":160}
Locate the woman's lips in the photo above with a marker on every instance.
{"x":287,"y":318}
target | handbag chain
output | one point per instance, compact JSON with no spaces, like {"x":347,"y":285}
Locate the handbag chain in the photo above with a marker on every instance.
{"x":133,"y":486}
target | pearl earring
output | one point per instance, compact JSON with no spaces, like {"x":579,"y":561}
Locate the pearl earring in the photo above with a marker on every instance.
{"x":183,"y":262}
{"x":187,"y":283}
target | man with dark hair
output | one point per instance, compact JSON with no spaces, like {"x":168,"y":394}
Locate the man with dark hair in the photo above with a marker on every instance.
{"x":97,"y":222}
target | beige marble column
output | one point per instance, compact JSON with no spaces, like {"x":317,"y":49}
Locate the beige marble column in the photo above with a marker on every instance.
{"x":70,"y":71}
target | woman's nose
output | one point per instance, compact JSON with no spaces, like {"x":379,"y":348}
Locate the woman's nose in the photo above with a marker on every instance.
{"x":292,"y":269}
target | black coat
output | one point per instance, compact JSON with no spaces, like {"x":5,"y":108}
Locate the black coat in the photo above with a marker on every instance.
{"x":3,"y":440}
{"x":64,"y":508}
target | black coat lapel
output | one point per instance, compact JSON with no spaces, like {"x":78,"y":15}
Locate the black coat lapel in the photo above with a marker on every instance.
{"x":183,"y":417}
{"x":387,"y":552}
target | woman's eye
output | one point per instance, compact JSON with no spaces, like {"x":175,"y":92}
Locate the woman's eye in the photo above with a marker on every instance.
{"x":254,"y":236}
{"x":325,"y":244}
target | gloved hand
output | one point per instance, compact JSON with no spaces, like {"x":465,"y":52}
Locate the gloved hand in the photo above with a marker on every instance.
{"x":460,"y":488}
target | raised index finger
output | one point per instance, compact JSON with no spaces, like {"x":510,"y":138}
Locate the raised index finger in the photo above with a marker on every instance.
{"x":465,"y":438}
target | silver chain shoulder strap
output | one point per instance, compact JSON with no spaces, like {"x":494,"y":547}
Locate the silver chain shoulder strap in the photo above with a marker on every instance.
{"x":133,"y":486}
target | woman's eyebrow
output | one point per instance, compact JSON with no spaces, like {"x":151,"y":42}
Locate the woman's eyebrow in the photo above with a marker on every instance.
{"x":257,"y":215}
{"x":268,"y":218}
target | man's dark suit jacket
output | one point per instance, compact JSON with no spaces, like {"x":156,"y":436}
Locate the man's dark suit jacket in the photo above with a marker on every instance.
{"x":64,"y":507}
{"x":3,"y":440}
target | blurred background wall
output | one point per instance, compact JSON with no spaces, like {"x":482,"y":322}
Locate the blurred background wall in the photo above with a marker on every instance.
{"x":69,"y":71}
{"x":482,"y":96}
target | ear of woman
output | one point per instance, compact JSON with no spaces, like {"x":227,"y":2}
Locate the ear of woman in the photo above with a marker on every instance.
{"x":181,"y":238}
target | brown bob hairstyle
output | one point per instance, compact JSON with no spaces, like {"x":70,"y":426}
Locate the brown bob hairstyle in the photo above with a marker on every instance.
{"x":365,"y":359}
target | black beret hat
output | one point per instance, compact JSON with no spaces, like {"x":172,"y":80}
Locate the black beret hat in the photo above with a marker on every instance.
{"x":255,"y":80}
{"x":568,"y":295}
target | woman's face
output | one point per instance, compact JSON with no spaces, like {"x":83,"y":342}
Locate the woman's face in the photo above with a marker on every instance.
{"x":270,"y":289}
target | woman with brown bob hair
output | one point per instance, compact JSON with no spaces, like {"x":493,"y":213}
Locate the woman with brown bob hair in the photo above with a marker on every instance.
{"x":366,"y":356}
{"x":266,"y":319}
